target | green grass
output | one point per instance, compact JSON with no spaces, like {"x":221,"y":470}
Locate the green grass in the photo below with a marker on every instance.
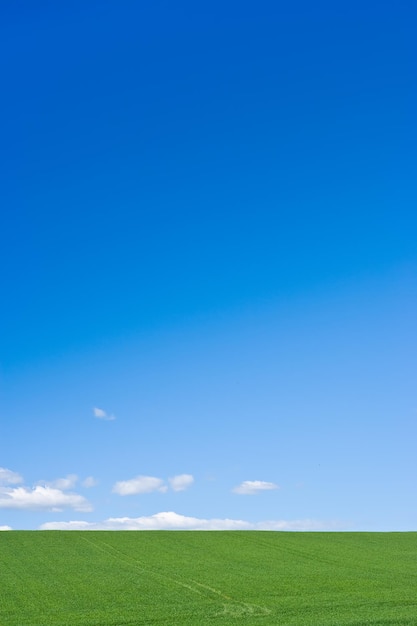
{"x":129,"y":578}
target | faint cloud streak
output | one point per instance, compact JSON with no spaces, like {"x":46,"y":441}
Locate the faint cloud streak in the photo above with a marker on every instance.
{"x":169,"y":520}
{"x":7,"y":477}
{"x":253,"y":487}
{"x":181,"y":482}
{"x":103,"y":415}
{"x":89,"y":482}
{"x":139,"y":484}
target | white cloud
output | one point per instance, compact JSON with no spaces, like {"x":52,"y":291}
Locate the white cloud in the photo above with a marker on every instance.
{"x":173,"y":521}
{"x":89,"y":482}
{"x":62,"y":484}
{"x":75,"y":525}
{"x":140,"y":484}
{"x":102,"y":415}
{"x":252,"y":487}
{"x":42,"y":497}
{"x":53,"y":496}
{"x":181,"y":482}
{"x":6,"y":528}
{"x":7,"y":477}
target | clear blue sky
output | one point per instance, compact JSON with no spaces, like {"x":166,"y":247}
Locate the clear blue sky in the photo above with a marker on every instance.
{"x":208,"y":245}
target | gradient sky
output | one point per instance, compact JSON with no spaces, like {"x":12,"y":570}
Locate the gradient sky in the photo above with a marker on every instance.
{"x":208,"y":245}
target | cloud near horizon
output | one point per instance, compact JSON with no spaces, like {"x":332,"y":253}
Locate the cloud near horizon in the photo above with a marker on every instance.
{"x":253,"y":487}
{"x":169,"y":520}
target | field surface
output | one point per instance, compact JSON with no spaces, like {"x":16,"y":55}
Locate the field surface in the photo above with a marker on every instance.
{"x":194,"y":578}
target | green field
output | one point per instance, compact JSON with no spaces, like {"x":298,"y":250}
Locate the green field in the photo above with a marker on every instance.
{"x":105,"y":578}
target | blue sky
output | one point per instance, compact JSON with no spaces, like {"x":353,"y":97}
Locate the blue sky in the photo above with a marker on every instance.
{"x":208,"y":242}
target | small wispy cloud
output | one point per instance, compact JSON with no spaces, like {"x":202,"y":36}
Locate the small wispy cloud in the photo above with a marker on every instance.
{"x":7,"y":477}
{"x":103,"y":415}
{"x":139,"y":484}
{"x":63,"y":484}
{"x":148,"y":484}
{"x":181,"y":482}
{"x":6,"y":528}
{"x":253,"y":487}
{"x":89,"y":482}
{"x":169,"y":520}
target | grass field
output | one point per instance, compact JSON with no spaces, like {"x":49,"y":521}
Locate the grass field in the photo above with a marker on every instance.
{"x":103,"y":578}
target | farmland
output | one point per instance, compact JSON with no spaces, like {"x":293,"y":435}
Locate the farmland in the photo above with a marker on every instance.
{"x":106,"y":578}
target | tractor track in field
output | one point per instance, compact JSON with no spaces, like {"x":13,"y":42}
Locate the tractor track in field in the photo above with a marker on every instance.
{"x":231,"y":606}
